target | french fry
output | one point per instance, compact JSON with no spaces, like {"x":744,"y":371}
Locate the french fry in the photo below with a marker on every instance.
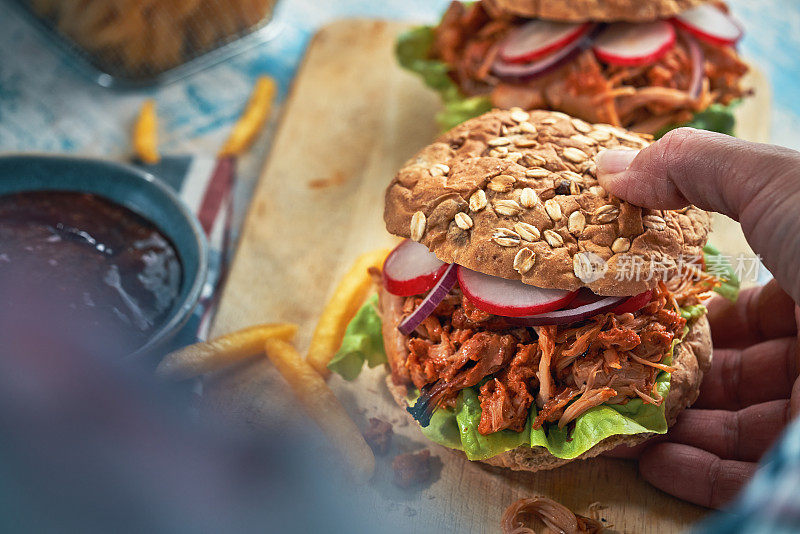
{"x":145,"y":134}
{"x":202,"y":358}
{"x":253,"y":119}
{"x":340,"y":309}
{"x":322,"y":405}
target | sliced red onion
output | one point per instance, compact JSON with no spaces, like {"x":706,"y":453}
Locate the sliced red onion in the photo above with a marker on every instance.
{"x":432,"y":299}
{"x":698,"y":65}
{"x":583,"y":297}
{"x":569,"y":315}
{"x":525,"y":71}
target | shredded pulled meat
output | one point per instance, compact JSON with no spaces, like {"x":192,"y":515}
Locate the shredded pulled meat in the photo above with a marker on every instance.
{"x":567,"y":370}
{"x":524,"y":514}
{"x":378,"y":435}
{"x":644,"y":98}
{"x":411,"y":469}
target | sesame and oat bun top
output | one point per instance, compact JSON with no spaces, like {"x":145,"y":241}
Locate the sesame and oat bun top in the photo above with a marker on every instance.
{"x":514,"y":194}
{"x":593,"y":10}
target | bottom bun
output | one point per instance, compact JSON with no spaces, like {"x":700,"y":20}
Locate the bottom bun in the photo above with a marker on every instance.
{"x":692,"y":359}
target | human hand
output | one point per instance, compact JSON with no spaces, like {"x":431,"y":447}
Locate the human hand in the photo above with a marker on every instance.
{"x":756,"y":184}
{"x":746,"y":400}
{"x":752,"y":389}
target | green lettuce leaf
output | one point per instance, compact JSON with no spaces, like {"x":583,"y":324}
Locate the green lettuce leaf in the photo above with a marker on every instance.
{"x":443,"y":428}
{"x":475,"y":445}
{"x":717,"y":118}
{"x":692,"y":313}
{"x":462,"y":109}
{"x":363,"y":342}
{"x":458,"y":428}
{"x":719,"y":266}
{"x":413,"y":53}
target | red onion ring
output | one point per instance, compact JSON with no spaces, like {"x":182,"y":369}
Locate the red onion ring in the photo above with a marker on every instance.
{"x":432,"y":299}
{"x":698,"y":65}
{"x":569,"y":315}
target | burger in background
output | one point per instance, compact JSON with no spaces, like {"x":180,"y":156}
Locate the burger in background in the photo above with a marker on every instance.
{"x":647,"y":66}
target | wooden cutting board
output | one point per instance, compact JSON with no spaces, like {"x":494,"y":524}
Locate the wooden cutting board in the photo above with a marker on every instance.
{"x":351,"y":120}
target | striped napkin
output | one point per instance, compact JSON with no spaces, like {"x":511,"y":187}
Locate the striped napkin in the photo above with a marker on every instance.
{"x":205,"y":184}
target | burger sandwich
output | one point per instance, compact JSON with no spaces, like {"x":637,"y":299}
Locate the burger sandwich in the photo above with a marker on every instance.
{"x":530,"y":318}
{"x":645,"y":65}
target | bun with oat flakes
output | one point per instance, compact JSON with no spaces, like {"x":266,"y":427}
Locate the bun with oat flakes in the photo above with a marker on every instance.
{"x":525,"y":184}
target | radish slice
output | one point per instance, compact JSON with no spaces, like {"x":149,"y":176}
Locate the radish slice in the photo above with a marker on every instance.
{"x":509,"y":298}
{"x":431,"y":300}
{"x":710,"y":24}
{"x":635,"y":303}
{"x":524,"y":71}
{"x":411,"y":269}
{"x":569,"y":315}
{"x":630,"y":45}
{"x":538,"y":38}
{"x":698,"y":65}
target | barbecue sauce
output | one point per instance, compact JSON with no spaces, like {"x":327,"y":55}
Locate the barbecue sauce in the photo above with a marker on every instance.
{"x":81,"y":273}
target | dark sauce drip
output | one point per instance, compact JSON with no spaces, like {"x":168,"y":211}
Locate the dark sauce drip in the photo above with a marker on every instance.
{"x":78,"y":272}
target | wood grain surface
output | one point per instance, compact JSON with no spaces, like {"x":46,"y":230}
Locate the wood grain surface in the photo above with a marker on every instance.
{"x":351,"y":120}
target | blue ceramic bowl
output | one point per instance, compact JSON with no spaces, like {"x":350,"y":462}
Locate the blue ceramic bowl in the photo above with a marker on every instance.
{"x":138,"y":191}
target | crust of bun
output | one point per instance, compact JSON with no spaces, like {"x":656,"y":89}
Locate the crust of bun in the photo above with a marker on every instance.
{"x":594,"y":10}
{"x":692,"y":359}
{"x":514,"y":194}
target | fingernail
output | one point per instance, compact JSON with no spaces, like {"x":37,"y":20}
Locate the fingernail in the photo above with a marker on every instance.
{"x":613,"y":161}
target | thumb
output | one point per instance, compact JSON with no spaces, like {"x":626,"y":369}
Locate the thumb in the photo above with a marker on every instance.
{"x":756,"y":184}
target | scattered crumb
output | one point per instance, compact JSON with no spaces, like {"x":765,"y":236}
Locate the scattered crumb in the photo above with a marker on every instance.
{"x":379,"y":435}
{"x":410,"y":512}
{"x":411,"y":469}
{"x":338,"y":178}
